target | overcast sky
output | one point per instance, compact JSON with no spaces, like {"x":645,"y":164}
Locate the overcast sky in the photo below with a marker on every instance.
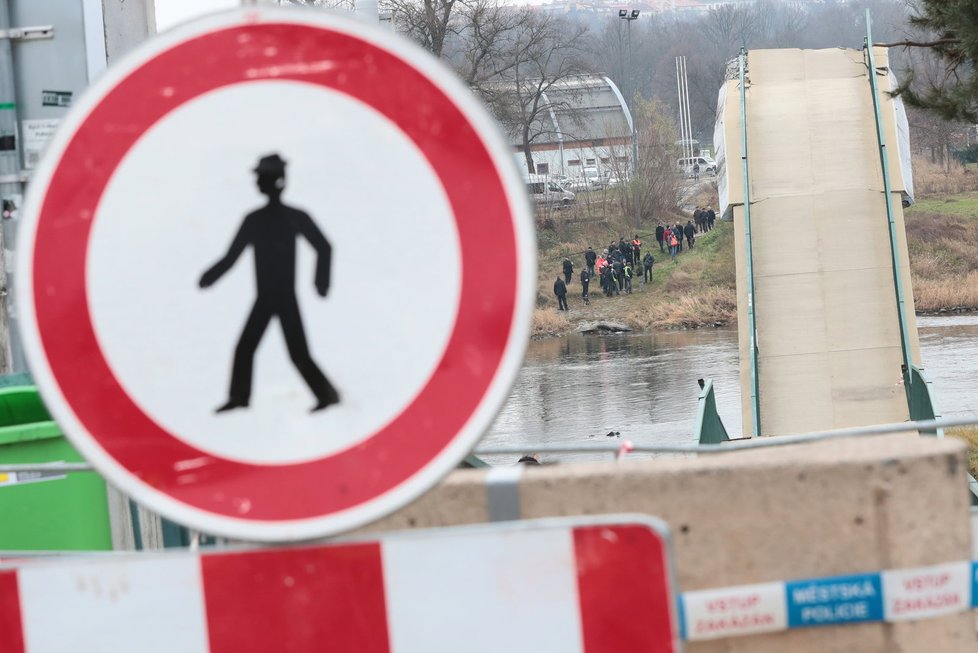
{"x":172,"y":12}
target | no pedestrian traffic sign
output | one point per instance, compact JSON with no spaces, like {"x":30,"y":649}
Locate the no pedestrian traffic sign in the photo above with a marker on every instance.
{"x":277,"y":269}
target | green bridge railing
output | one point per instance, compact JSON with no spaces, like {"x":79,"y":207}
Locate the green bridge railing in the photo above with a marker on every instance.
{"x":887,"y":191}
{"x":755,"y":398}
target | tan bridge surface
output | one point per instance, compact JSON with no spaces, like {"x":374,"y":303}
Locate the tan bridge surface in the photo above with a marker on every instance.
{"x":828,"y":334}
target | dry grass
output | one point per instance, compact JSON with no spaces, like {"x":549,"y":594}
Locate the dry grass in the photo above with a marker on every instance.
{"x":709,"y":306}
{"x":969,"y":434}
{"x":943,"y":258}
{"x":549,"y":322}
{"x":950,"y":294}
{"x":931,"y":178}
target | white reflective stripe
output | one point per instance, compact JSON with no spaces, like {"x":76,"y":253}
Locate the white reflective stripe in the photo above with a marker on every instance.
{"x":743,"y":610}
{"x":519,"y":588}
{"x":131,"y":604}
{"x":926,"y":591}
{"x":503,"y":492}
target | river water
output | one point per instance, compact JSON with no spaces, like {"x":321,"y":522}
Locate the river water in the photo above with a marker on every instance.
{"x":575,"y":389}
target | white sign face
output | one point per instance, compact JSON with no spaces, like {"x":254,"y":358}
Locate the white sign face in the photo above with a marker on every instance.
{"x":306,"y":274}
{"x":394,"y":286}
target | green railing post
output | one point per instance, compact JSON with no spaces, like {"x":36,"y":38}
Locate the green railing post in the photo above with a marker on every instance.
{"x":894,"y":244}
{"x":923,"y":406}
{"x":709,"y":426}
{"x":749,"y":255}
{"x":923,"y":403}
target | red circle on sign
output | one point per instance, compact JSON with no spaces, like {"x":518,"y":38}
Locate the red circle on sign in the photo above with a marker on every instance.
{"x":487,"y":239}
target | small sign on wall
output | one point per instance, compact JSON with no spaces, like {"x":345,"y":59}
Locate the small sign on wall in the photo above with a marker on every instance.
{"x":36,"y":134}
{"x":56,"y":98}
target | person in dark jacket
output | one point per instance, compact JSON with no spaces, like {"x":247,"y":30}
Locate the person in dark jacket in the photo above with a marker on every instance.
{"x":585,"y":282}
{"x":560,"y":289}
{"x":659,"y":234}
{"x":607,"y":281}
{"x":711,"y":217}
{"x":619,"y":271}
{"x":589,"y":258}
{"x":690,"y":232}
{"x":678,"y":232}
{"x":568,"y":270}
{"x":647,"y":262}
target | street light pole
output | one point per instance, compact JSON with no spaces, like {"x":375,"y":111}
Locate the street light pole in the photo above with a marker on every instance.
{"x":628,"y":16}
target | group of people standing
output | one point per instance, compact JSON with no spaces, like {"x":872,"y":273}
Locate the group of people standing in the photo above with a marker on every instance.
{"x":672,"y":237}
{"x":704,"y":218}
{"x":614,"y":267}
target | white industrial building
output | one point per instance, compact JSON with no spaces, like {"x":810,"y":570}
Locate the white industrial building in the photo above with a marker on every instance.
{"x":587,"y":124}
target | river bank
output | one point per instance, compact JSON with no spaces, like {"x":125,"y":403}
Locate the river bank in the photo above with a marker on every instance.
{"x":699,"y":288}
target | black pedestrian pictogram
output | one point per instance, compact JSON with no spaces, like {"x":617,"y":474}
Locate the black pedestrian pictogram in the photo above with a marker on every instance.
{"x":272,"y":232}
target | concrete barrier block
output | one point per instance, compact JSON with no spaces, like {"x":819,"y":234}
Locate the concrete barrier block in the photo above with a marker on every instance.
{"x":792,"y":512}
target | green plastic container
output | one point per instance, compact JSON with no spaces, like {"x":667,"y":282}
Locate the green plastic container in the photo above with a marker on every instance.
{"x":54,"y":511}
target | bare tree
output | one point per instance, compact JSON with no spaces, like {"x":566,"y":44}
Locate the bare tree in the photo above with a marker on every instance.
{"x":660,"y":187}
{"x":543,"y":53}
{"x":429,"y":22}
{"x":510,"y":56}
{"x":787,"y":23}
{"x":347,"y":5}
{"x":609,"y":48}
{"x":482,"y":53}
{"x":657,"y":185}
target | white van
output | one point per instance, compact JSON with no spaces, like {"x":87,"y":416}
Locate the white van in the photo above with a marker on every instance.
{"x":707,"y":165}
{"x":544,"y":192}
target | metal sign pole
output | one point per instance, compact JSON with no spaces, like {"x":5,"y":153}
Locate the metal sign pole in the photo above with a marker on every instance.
{"x":11,"y":182}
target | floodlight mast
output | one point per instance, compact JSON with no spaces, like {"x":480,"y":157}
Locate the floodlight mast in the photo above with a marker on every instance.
{"x":628,"y":17}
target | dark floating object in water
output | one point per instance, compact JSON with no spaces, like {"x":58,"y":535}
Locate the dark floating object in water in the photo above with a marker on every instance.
{"x":613,"y":434}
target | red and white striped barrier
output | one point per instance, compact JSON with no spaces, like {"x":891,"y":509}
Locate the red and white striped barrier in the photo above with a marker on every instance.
{"x":595,"y":588}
